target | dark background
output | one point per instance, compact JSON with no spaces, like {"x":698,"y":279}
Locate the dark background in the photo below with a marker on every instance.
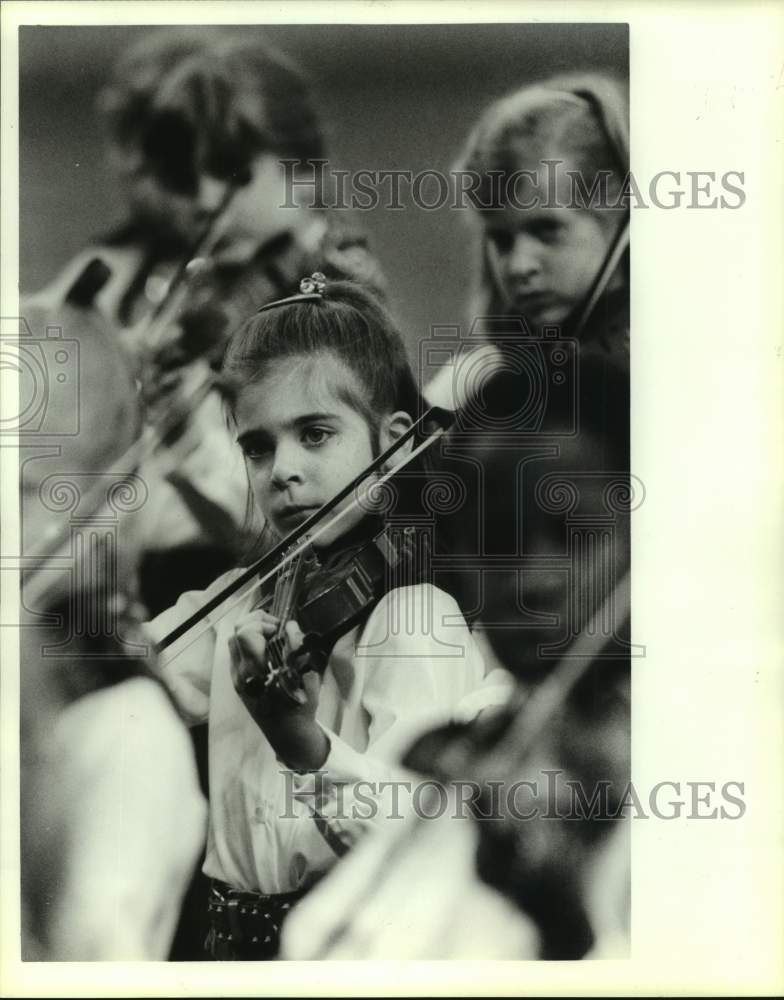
{"x":391,"y":97}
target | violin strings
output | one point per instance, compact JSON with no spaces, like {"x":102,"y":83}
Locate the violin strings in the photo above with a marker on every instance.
{"x":275,"y":556}
{"x":291,"y":585}
{"x":282,"y":607}
{"x":279,"y":603}
{"x":255,"y":583}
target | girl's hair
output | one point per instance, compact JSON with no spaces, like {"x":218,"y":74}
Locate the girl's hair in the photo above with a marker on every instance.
{"x":583,"y":118}
{"x":187,"y":102}
{"x":349,"y":322}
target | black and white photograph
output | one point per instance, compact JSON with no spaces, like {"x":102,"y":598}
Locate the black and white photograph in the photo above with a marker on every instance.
{"x":368,"y":569}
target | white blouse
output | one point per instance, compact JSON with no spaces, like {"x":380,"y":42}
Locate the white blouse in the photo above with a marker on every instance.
{"x":409,"y":669}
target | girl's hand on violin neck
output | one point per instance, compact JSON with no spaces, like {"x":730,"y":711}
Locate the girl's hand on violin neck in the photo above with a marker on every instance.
{"x":289,"y":725}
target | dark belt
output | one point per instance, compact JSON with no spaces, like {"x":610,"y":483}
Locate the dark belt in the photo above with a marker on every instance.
{"x":246,"y":925}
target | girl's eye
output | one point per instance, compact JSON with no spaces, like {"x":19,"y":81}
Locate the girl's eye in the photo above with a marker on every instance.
{"x":547,"y":230}
{"x":255,"y":451}
{"x":501,"y":239}
{"x":315,"y":436}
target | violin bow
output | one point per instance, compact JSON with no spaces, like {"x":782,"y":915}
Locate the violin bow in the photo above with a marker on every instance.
{"x":531,"y":720}
{"x":309,"y":531}
{"x":276,"y":555}
{"x":615,"y":252}
{"x":150,"y":332}
{"x":37,"y":583}
{"x":533,"y":715}
{"x":614,"y":255}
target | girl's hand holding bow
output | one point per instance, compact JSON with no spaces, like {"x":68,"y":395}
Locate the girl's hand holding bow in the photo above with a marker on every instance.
{"x":288,"y":721}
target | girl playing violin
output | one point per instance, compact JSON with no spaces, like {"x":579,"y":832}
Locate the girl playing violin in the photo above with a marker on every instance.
{"x":543,"y":248}
{"x":561,"y":149}
{"x":198,"y":121}
{"x":551,"y":163}
{"x":320,"y":387}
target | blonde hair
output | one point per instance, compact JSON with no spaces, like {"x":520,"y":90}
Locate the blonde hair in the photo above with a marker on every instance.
{"x":583,"y":118}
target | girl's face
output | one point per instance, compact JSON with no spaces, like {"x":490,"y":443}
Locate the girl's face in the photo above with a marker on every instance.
{"x":261,"y":210}
{"x":303,"y":441}
{"x":546,"y":257}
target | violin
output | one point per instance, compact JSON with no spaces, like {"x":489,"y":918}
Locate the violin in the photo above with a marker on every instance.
{"x":327,"y":601}
{"x":169,"y":347}
{"x":437,"y":419}
{"x":84,"y":661}
{"x":536,"y":865}
{"x":112,"y":440}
